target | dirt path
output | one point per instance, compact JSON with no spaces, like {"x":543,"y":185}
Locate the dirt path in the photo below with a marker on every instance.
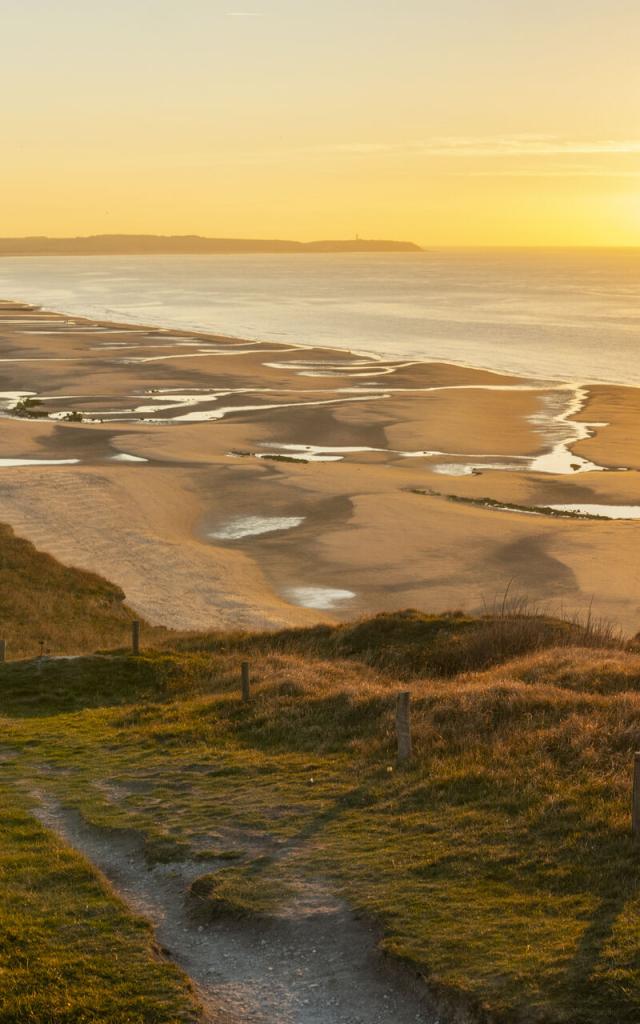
{"x":303,"y":968}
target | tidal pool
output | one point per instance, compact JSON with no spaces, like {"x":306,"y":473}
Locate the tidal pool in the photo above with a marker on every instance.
{"x":254,"y":526}
{"x":602,"y":511}
{"x":10,"y":463}
{"x":322,"y":598}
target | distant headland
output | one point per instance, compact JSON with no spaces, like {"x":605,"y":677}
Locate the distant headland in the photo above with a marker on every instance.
{"x":143,"y":245}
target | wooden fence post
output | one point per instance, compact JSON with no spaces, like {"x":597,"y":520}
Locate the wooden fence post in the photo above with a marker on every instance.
{"x":246,"y":690}
{"x":403,"y":726}
{"x":635,"y":811}
{"x":135,"y":637}
{"x":3,"y":650}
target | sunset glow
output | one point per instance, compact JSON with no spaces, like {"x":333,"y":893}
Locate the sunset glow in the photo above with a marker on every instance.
{"x":448,"y":123}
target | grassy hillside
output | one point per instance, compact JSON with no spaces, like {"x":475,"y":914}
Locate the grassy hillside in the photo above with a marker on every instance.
{"x":72,"y":611}
{"x":498,"y":864}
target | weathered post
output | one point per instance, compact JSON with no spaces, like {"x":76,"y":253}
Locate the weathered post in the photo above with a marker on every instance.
{"x":3,"y":650}
{"x":135,"y":637}
{"x":246,"y":690}
{"x":635,"y":811}
{"x":403,"y":726}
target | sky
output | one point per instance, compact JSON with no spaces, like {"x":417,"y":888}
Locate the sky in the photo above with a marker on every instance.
{"x":445,"y":122}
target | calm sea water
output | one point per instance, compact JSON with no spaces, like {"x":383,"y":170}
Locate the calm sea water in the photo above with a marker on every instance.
{"x":562,"y":314}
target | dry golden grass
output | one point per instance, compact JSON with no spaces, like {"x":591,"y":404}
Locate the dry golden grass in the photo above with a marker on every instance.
{"x":46,"y":604}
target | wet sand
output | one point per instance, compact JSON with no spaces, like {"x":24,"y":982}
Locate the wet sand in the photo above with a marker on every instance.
{"x":187,"y":438}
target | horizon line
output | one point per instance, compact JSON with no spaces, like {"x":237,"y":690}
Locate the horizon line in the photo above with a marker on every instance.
{"x":424,"y":245}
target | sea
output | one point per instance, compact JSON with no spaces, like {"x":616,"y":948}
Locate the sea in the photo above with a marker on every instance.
{"x":558,"y":314}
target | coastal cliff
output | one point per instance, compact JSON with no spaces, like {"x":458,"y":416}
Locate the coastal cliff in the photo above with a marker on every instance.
{"x":141,"y":245}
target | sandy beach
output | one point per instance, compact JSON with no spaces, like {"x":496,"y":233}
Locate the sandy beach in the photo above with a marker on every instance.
{"x":229,"y":483}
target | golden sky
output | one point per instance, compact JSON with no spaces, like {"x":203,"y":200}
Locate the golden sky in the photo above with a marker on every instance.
{"x":447,"y":122}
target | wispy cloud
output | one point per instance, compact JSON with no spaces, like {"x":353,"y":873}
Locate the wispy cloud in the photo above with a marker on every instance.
{"x":507,"y":156}
{"x":532,"y":145}
{"x":539,"y":171}
{"x":513,"y":156}
{"x":492,"y":146}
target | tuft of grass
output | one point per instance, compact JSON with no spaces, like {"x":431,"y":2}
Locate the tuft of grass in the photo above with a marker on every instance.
{"x":245,"y":891}
{"x":215,"y":854}
{"x":164,"y":849}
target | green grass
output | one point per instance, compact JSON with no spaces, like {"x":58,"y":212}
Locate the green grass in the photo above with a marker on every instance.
{"x":42,"y":686}
{"x":69,"y":952}
{"x":250,"y":890}
{"x":499,"y":864}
